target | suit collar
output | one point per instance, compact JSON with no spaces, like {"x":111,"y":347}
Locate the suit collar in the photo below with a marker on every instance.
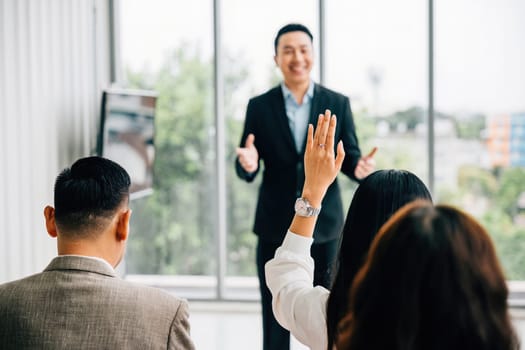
{"x":282,"y":119}
{"x":287,"y":93}
{"x":80,"y":263}
{"x":280,"y":111}
{"x":316,"y":103}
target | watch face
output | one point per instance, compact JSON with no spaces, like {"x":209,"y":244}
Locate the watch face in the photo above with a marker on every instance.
{"x":301,"y":207}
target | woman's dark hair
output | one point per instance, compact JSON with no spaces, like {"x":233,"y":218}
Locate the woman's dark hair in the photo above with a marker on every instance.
{"x":431,"y":281}
{"x":376,"y":199}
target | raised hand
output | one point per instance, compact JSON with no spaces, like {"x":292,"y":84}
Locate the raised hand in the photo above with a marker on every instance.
{"x":248,"y":155}
{"x":321,"y":164}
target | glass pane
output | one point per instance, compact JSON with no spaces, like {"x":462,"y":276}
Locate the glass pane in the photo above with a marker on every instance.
{"x":376,"y":53}
{"x":249,"y":29}
{"x":167,"y":46}
{"x":480,"y":132}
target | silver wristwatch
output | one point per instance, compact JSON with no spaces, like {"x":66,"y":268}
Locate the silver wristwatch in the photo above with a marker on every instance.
{"x":303,"y":208}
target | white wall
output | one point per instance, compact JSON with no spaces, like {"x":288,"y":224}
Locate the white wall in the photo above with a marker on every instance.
{"x":54,"y":61}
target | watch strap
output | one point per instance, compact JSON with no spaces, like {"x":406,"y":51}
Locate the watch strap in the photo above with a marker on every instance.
{"x":305,"y":209}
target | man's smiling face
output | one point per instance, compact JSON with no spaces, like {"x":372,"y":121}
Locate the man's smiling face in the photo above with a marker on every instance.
{"x":295,"y":58}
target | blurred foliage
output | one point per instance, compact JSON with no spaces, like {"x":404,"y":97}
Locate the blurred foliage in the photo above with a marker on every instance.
{"x":174,"y":230}
{"x":172,"y":225}
{"x":471,"y":127}
{"x":410,"y":118}
{"x":479,"y":182}
{"x":493,"y":198}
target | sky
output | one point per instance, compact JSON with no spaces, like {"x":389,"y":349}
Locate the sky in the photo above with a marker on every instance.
{"x":479,"y":46}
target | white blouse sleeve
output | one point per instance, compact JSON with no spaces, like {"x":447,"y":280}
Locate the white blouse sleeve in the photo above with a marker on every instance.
{"x":297,"y":305}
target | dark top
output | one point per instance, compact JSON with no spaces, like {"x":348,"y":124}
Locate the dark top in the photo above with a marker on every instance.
{"x":283,"y":174}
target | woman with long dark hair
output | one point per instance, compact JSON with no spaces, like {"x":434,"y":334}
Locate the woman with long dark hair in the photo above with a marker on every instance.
{"x":376,"y":199}
{"x":312,"y":313}
{"x":431,"y":281}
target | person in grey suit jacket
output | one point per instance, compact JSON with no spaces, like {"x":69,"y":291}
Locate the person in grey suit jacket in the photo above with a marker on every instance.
{"x":275,"y":132}
{"x":78,"y":302}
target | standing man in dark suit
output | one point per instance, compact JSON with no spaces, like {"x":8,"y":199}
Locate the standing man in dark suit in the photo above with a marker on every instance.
{"x":78,"y":302}
{"x":275,"y":132}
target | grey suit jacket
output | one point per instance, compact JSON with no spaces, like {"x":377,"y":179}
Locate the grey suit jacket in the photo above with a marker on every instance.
{"x":79,"y":303}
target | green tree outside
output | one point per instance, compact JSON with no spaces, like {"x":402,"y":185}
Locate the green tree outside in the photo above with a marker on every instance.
{"x":174,"y":230}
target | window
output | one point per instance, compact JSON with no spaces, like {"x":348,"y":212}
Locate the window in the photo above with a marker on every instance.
{"x":480,"y":86}
{"x":168,"y":47}
{"x":376,"y":53}
{"x":248,"y":33}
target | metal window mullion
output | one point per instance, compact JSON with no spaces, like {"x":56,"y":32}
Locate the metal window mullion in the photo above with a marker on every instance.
{"x":431,"y":139}
{"x":322,"y":42}
{"x":220,"y":150}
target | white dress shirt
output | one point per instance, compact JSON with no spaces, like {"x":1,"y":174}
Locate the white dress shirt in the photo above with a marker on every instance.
{"x":297,"y":305}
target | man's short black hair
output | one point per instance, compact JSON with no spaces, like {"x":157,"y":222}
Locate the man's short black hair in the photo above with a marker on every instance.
{"x":89,"y":193}
{"x":292,"y":27}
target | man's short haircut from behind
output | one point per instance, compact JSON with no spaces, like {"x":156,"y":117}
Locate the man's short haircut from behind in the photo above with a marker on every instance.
{"x":88,"y":194}
{"x":292,"y":27}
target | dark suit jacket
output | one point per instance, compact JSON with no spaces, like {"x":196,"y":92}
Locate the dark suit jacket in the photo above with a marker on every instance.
{"x":283,"y":175}
{"x":79,"y":303}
